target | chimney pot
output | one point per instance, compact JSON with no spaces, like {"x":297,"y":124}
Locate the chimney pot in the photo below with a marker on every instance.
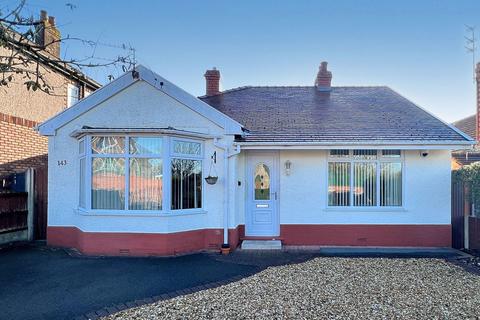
{"x":323,"y":82}
{"x":212,"y":78}
{"x":43,"y":15}
{"x":47,"y":34}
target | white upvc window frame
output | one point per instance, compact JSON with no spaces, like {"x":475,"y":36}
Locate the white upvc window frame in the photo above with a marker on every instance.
{"x":167,"y":155}
{"x":71,"y":87}
{"x":82,"y":155}
{"x":379,"y":160}
{"x":174,"y":155}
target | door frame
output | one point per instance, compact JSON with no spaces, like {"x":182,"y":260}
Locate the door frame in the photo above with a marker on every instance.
{"x":275,"y":175}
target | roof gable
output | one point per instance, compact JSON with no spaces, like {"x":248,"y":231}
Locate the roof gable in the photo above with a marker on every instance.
{"x":141,"y":73}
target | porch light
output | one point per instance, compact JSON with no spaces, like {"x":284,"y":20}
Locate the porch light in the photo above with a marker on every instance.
{"x":288,"y":166}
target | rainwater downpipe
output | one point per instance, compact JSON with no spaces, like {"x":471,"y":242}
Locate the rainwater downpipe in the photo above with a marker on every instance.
{"x":226,"y":184}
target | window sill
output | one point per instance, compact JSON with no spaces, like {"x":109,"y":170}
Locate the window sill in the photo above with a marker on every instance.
{"x":366,"y":209}
{"x":139,"y":213}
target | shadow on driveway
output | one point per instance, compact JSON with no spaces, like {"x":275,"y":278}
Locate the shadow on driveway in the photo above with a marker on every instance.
{"x":38,"y":282}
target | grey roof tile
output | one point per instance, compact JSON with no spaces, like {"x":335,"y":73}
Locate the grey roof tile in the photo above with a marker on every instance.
{"x":303,"y":114}
{"x":467,"y":125}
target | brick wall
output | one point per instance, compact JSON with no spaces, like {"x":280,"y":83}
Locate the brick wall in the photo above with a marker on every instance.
{"x":17,"y":101}
{"x":20,"y":110}
{"x":21,"y":147}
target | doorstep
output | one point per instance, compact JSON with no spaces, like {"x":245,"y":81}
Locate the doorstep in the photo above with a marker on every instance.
{"x":261,"y":238}
{"x":261,"y":245}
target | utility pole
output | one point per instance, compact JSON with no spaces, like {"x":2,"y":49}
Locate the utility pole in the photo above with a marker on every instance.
{"x":471,"y":46}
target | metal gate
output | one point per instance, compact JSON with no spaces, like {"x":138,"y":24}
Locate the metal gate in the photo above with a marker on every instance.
{"x":458,"y":214}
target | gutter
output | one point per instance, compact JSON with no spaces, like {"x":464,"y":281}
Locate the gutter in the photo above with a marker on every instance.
{"x":169,"y":130}
{"x":226,"y":211}
{"x":453,"y":145}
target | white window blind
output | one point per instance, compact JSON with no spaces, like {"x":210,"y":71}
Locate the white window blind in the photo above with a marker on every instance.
{"x":365,"y":185}
{"x":365,"y":178}
{"x":339,"y":184}
{"x":146,"y":173}
{"x":127,"y":173}
{"x":108,"y":183}
{"x":391,"y":184}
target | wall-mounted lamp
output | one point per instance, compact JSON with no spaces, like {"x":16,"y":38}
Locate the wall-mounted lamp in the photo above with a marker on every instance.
{"x":288,"y":167}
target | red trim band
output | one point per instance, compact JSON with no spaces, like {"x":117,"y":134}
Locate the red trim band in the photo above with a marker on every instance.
{"x":17,"y":120}
{"x":367,"y":235}
{"x":140,"y":244}
{"x":164,"y":244}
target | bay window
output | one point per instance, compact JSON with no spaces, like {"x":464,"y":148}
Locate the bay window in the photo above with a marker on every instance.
{"x":186,"y":175}
{"x":365,"y":178}
{"x":140,"y":173}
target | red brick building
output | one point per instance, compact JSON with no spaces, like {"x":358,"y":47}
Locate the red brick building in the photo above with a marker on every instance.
{"x":21,"y":147}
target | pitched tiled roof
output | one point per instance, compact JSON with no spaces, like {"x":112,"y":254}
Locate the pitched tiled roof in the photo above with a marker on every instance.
{"x":467,"y":125}
{"x":466,"y":157}
{"x":346,"y":114}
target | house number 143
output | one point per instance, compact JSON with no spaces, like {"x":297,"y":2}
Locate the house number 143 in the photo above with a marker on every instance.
{"x":62,"y":162}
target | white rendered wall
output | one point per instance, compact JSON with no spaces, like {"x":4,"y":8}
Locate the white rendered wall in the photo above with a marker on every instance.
{"x":240,"y":191}
{"x":426,"y":180}
{"x":426,"y":185}
{"x":139,"y":106}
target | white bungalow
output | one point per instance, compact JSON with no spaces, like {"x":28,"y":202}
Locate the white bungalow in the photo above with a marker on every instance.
{"x":142,"y":167}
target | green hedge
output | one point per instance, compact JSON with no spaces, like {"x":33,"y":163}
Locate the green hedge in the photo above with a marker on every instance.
{"x":471,"y":176}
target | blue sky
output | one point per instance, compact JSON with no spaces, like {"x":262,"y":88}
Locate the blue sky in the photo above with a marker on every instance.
{"x":415,"y":47}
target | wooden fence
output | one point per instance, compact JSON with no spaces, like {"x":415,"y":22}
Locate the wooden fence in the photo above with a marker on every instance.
{"x":474,"y":233}
{"x":40,"y":196}
{"x":23,"y":215}
{"x":13,"y":212}
{"x":465,"y":222}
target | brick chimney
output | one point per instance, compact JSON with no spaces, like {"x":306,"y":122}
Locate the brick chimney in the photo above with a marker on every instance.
{"x":477,"y":78}
{"x":323,"y":82}
{"x":213,"y":81}
{"x":46,"y":33}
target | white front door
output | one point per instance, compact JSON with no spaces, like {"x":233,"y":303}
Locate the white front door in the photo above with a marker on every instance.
{"x":262,"y":186}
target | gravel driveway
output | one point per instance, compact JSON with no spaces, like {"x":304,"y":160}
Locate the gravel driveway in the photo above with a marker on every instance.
{"x":333,"y":288}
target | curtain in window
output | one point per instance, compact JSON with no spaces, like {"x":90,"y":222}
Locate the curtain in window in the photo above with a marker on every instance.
{"x":365,"y":184}
{"x":186,"y":184}
{"x":108,"y":183}
{"x":338,"y":184}
{"x":391,"y":184}
{"x":145,"y":184}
